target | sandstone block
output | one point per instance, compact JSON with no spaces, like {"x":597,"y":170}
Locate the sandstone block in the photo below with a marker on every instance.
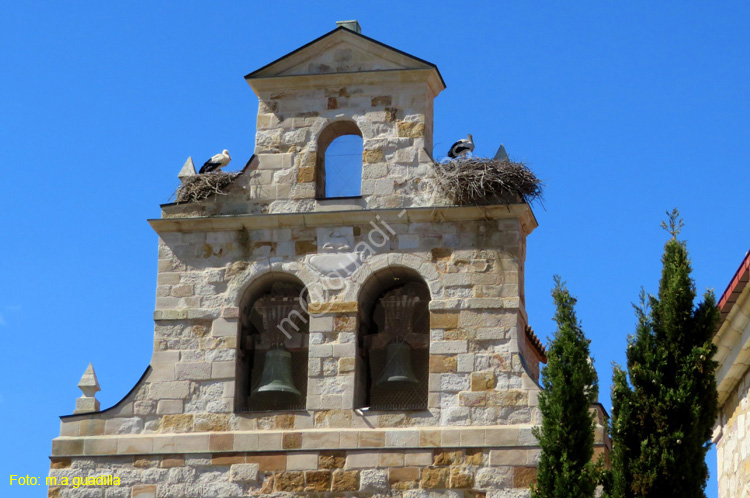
{"x":305,"y":175}
{"x":372,"y":156}
{"x":144,"y":491}
{"x":403,"y":477}
{"x":448,"y":457}
{"x":434,"y":478}
{"x":483,"y":381}
{"x":523,"y":477}
{"x":317,"y":480}
{"x":289,"y":481}
{"x":211,"y":422}
{"x":332,"y":460}
{"x":345,"y":480}
{"x":176,"y":423}
{"x":461,"y":477}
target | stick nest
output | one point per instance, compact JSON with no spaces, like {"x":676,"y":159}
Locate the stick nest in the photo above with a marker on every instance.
{"x":199,"y":187}
{"x":478,"y":180}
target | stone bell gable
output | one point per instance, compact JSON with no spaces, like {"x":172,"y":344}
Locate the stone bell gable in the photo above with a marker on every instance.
{"x":343,"y":83}
{"x":373,"y":345}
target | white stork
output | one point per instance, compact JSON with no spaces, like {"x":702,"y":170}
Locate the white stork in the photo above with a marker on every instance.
{"x":462,"y":147}
{"x":216,"y":162}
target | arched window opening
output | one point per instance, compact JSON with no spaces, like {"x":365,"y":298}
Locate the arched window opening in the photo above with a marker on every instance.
{"x":394,"y":342}
{"x":273,"y":345}
{"x":339,"y":161}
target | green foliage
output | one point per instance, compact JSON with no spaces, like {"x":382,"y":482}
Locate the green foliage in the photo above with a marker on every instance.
{"x":665,"y":405}
{"x":566,"y":435}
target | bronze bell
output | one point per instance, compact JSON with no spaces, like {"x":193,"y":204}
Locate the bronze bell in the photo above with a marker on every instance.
{"x":397,"y":365}
{"x":277,"y":374}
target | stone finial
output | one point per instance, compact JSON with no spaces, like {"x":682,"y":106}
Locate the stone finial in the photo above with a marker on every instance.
{"x":89,"y":384}
{"x":352,"y":25}
{"x":501,"y":155}
{"x":188,"y":170}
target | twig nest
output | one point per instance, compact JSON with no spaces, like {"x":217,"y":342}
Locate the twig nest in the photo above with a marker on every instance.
{"x":478,"y":180}
{"x":199,"y":187}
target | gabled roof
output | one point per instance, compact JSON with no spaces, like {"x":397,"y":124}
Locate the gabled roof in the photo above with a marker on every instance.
{"x":307,"y":60}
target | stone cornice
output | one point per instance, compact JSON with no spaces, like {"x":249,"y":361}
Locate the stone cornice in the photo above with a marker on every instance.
{"x":522,"y":212}
{"x":296,"y":440}
{"x":380,"y":77}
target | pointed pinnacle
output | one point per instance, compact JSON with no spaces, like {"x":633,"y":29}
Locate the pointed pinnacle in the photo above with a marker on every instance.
{"x":89,"y":384}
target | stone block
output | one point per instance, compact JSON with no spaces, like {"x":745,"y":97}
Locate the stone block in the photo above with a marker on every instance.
{"x":449,"y":347}
{"x":332,"y":460}
{"x":461,"y":477}
{"x":429,"y":438}
{"x":221,"y":442}
{"x":223,"y":370}
{"x":317,"y":480}
{"x":211,"y":422}
{"x":192,"y":371}
{"x":374,"y":481}
{"x":170,"y":390}
{"x":224,"y":327}
{"x":523,"y":477}
{"x":442,"y":363}
{"x":403,"y":477}
{"x":270,"y":441}
{"x":177,"y":423}
{"x":289,"y":481}
{"x":483,"y":381}
{"x":169,"y":407}
{"x":345,"y":480}
{"x":362,"y":460}
{"x":418,"y":458}
{"x":268,"y":462}
{"x":143,"y":491}
{"x":291,"y":440}
{"x":244,"y":473}
{"x":371,"y":439}
{"x":302,"y":461}
{"x":100,"y":446}
{"x":434,"y":478}
{"x":402,"y":438}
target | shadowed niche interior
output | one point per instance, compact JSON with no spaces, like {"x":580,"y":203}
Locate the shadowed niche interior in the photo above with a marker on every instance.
{"x":394,"y":341}
{"x":273,"y":346}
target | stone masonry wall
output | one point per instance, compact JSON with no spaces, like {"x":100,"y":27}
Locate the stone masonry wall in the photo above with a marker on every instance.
{"x":396,"y":126}
{"x":178,"y":428}
{"x":733,"y":449}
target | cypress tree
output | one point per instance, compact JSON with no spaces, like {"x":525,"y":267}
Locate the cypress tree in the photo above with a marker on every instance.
{"x":566,"y":435}
{"x":665,"y":404}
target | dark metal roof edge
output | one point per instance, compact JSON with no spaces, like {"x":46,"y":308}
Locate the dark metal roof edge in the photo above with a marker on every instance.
{"x":137,"y":384}
{"x":385,"y":45}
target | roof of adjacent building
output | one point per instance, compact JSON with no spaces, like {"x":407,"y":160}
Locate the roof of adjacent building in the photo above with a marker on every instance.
{"x":536,"y":343}
{"x":735,"y":287}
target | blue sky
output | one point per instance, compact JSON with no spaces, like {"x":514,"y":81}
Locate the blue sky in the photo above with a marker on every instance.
{"x":625,"y":110}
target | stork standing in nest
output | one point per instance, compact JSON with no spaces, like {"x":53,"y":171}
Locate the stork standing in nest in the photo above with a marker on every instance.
{"x":216,"y":162}
{"x":462,"y":147}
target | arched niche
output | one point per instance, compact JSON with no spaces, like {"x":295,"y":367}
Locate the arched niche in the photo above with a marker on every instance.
{"x":273,"y":317}
{"x":346,"y":169}
{"x":393,"y":309}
